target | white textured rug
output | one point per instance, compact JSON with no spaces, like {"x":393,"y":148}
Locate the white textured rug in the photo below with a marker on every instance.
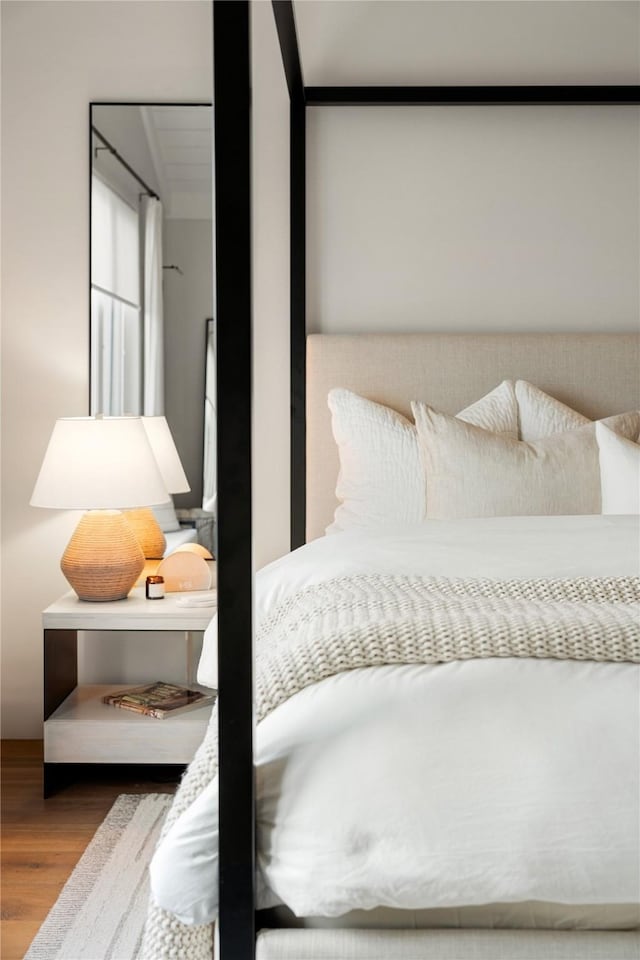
{"x":101,"y":910}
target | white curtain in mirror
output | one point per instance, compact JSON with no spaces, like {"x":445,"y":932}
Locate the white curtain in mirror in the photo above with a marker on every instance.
{"x":209,"y":460}
{"x":151,"y":213}
{"x":116,"y":333}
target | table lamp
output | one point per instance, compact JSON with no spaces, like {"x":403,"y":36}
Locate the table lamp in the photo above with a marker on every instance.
{"x":145,"y":525}
{"x":103,"y":465}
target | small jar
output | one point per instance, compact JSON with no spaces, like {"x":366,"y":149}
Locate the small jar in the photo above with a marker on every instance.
{"x":154,"y":588}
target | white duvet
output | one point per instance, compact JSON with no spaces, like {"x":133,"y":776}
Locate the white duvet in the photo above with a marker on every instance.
{"x":483,"y":781}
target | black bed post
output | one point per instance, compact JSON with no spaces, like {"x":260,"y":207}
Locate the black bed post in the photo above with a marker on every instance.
{"x":298,"y":330}
{"x":286,"y":27}
{"x":232,"y":126}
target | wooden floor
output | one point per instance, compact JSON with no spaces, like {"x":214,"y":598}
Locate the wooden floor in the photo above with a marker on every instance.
{"x":42,"y":840}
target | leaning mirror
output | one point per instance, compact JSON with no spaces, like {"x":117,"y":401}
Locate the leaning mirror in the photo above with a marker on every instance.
{"x":152,"y":276}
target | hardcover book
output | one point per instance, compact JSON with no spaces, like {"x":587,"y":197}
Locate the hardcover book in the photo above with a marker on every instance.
{"x":159,"y":699}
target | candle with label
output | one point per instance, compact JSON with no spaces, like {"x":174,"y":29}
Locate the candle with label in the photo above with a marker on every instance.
{"x":154,"y":588}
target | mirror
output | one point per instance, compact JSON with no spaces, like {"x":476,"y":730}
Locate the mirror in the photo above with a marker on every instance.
{"x":152,"y":274}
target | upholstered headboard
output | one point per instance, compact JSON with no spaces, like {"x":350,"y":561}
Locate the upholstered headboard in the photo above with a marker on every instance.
{"x":596,"y":374}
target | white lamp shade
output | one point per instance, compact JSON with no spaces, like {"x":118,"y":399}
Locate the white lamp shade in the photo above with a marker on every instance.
{"x":95,"y":463}
{"x":166,"y":454}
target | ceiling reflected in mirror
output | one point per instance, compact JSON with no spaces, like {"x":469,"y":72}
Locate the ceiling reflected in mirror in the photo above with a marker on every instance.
{"x":168,"y":148}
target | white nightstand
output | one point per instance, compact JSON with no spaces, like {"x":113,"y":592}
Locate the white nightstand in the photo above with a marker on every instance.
{"x":78,"y":727}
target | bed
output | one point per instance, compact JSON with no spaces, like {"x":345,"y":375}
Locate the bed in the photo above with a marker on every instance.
{"x":400,"y":813}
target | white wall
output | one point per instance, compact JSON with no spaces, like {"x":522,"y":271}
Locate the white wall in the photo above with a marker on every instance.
{"x":468,"y":41}
{"x":56,"y":57}
{"x":473,"y":218}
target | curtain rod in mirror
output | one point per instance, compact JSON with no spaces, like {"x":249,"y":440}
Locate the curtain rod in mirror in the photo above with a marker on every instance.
{"x":112,"y":150}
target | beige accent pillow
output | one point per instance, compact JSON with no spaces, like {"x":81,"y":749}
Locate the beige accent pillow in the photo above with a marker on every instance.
{"x":381,"y":479}
{"x":471,"y":472}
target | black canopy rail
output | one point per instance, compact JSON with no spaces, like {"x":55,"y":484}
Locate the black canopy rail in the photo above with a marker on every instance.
{"x":118,"y":156}
{"x":287,"y":36}
{"x":232,"y":93}
{"x":486,"y":96}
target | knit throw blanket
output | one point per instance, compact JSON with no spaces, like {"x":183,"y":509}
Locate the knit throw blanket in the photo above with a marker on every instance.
{"x":374,"y":620}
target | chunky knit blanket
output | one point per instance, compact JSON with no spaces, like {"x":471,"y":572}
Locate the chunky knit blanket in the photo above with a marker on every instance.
{"x":368,"y":621}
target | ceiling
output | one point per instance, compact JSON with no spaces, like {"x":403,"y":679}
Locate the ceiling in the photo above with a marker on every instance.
{"x":351,"y":42}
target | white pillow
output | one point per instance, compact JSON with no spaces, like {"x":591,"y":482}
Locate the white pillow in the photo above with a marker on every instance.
{"x":473,"y":473}
{"x":165,"y":514}
{"x":619,"y":472}
{"x":381,"y":479}
{"x":541,"y":415}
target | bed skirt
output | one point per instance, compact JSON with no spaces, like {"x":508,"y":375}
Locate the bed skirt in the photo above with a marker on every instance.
{"x":447,"y":945}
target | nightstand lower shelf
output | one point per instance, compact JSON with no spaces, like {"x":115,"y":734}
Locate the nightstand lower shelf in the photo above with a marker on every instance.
{"x":85,"y":730}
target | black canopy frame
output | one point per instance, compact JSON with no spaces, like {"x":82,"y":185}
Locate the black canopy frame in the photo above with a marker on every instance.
{"x":232,"y":125}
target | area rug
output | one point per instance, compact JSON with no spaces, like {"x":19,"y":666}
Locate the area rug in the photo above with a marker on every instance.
{"x":101,"y":910}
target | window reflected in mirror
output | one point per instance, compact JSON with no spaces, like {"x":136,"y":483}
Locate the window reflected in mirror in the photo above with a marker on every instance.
{"x":152,"y":276}
{"x":116,"y":321}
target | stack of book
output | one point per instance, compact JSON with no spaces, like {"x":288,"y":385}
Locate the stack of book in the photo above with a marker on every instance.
{"x":159,"y":699}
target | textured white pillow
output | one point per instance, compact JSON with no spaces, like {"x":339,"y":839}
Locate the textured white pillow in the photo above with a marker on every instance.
{"x":473,"y":473}
{"x":541,"y":415}
{"x":381,"y":479}
{"x":619,"y":472}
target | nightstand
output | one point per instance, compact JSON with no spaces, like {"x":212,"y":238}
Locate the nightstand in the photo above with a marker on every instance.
{"x":78,"y":728}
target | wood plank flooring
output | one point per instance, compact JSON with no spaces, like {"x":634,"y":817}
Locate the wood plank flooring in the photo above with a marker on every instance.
{"x":42,"y":840}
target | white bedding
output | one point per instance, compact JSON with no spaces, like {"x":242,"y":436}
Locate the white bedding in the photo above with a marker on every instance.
{"x":497,"y":547}
{"x":464,"y":783}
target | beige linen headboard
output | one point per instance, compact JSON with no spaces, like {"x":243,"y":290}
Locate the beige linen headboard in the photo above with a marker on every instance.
{"x":596,"y":374}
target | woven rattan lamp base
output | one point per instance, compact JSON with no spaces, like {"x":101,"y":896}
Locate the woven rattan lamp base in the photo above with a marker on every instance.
{"x":148,"y":532}
{"x":103,"y":559}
